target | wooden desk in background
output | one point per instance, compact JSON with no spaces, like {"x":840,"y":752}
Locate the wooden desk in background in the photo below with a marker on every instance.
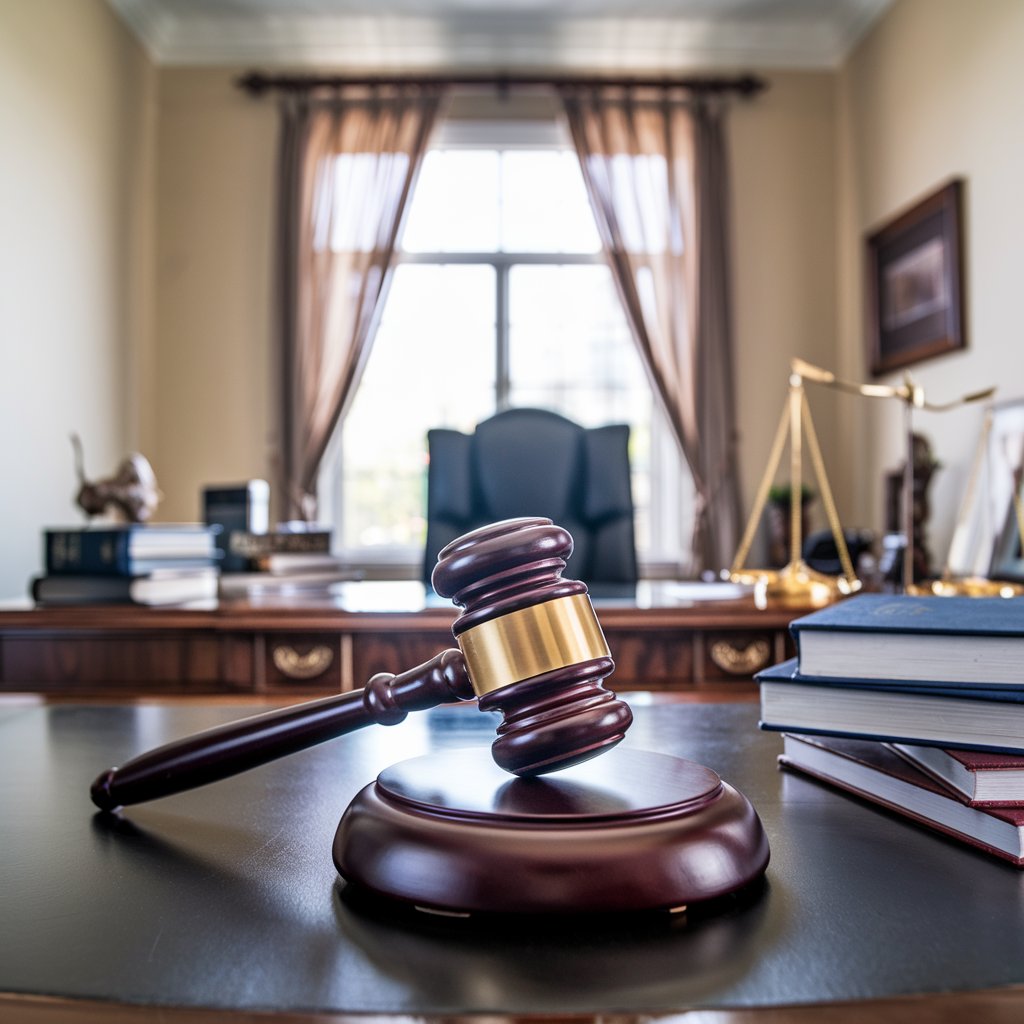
{"x":300,"y":644}
{"x":222,"y":904}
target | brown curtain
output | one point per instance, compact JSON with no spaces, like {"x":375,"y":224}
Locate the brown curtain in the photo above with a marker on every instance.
{"x":654,"y":167}
{"x":347,"y":167}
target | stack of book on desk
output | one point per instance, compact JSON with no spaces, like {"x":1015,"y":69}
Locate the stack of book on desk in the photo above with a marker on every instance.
{"x":254,"y":550}
{"x":159,"y":564}
{"x":916,"y":704}
{"x":283,"y":562}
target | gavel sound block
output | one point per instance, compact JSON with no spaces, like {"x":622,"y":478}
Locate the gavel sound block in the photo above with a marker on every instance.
{"x":545,"y":826}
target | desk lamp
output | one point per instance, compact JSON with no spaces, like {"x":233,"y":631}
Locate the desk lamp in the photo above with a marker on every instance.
{"x":541,"y":826}
{"x":796,"y":584}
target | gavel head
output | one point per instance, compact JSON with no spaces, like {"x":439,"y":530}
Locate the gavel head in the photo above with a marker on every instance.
{"x":533,"y":647}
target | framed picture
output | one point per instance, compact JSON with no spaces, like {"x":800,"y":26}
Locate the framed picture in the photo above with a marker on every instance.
{"x":915,"y":283}
{"x":1006,"y":467}
{"x":986,"y":541}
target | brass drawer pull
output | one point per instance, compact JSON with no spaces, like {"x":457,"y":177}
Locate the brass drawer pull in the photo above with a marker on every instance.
{"x":290,"y":663}
{"x":740,"y":661}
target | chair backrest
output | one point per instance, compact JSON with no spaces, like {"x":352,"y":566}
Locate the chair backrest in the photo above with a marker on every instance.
{"x":532,"y":462}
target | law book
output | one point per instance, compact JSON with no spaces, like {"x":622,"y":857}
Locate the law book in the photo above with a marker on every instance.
{"x":877,"y":774}
{"x":267,"y":584}
{"x":163,"y":587}
{"x":260,"y":545}
{"x":132,"y":549}
{"x":236,"y":508}
{"x":290,"y":562}
{"x":984,"y":779}
{"x":941,"y":714}
{"x":935,"y":639}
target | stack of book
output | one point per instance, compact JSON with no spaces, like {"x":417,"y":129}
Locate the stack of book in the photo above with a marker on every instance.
{"x":916,"y":704}
{"x":255,"y":549}
{"x":148,"y":564}
{"x":282,"y":562}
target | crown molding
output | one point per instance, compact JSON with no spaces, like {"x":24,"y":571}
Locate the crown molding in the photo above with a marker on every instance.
{"x":456,"y":36}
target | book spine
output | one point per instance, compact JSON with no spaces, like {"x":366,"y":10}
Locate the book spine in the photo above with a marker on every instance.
{"x":260,"y":545}
{"x":88,"y":553}
{"x":73,"y":589}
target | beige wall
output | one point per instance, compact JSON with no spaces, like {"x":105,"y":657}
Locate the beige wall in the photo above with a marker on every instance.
{"x":784,"y":238}
{"x":215,"y":205}
{"x":75,"y":118}
{"x":935,"y":92}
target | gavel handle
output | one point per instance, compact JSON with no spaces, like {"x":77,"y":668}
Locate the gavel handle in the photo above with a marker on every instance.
{"x":237,"y":746}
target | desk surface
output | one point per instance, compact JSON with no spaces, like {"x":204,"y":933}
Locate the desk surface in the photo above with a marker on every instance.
{"x":378,"y":601}
{"x":226,"y":897}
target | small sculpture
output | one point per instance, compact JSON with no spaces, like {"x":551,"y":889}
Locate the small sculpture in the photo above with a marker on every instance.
{"x":132,"y":491}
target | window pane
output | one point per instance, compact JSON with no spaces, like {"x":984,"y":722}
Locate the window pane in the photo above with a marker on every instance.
{"x":455,"y":207}
{"x":544,"y":203}
{"x":569,"y":344}
{"x":570,"y":350}
{"x":432,"y":365}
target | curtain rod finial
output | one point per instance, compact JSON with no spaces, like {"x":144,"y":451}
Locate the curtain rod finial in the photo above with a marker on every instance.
{"x":750,"y":85}
{"x":253,"y":82}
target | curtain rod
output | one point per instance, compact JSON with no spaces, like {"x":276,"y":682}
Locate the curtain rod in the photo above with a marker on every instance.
{"x":257,"y":82}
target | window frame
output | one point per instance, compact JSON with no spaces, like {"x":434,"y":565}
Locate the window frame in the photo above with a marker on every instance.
{"x":666,"y":508}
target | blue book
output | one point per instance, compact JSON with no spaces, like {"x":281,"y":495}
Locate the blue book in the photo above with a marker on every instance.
{"x":959,"y":640}
{"x":935,"y":714}
{"x":133,"y":549}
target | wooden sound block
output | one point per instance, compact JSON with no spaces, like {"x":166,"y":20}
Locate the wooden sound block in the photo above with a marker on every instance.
{"x":631,"y":830}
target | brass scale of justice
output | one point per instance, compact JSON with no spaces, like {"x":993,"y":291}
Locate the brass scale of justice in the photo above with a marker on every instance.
{"x":797,"y":584}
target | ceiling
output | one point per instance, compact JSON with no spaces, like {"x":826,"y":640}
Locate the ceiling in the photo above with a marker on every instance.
{"x":424,"y":35}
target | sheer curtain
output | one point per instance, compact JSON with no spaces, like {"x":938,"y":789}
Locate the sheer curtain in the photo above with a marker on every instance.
{"x":347,"y":165}
{"x":655,"y":169}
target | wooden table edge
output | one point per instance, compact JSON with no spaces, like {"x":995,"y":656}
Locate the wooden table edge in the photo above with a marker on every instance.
{"x":993,"y":1006}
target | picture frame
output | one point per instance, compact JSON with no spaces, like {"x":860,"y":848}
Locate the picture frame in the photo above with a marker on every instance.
{"x":916,"y":284}
{"x":1006,"y":466}
{"x":986,"y":540}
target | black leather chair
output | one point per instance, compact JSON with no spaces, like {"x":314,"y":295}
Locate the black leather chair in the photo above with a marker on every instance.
{"x":532,"y":462}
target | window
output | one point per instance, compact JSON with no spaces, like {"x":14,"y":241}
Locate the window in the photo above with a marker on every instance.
{"x":500,"y":298}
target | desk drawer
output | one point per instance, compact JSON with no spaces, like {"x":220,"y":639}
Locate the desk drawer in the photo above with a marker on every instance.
{"x":80,"y":662}
{"x":296,"y":661}
{"x":651,"y":659}
{"x":736,"y":656}
{"x":395,"y":652}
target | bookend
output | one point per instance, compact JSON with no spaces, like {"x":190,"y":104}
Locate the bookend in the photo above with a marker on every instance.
{"x":453,"y":834}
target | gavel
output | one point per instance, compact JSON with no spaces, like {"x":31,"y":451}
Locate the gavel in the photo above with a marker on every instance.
{"x":530,"y":648}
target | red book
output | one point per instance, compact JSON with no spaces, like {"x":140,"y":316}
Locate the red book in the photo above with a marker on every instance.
{"x":984,"y":778}
{"x":874,"y":772}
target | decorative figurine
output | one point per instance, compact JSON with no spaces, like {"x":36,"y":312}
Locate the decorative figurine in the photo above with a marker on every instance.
{"x":132,"y":491}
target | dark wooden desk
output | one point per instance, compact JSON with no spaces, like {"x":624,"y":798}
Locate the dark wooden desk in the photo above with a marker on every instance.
{"x":307,"y":644}
{"x":226,"y":899}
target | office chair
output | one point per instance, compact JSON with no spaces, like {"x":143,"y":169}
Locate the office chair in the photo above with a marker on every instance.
{"x":532,"y":462}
